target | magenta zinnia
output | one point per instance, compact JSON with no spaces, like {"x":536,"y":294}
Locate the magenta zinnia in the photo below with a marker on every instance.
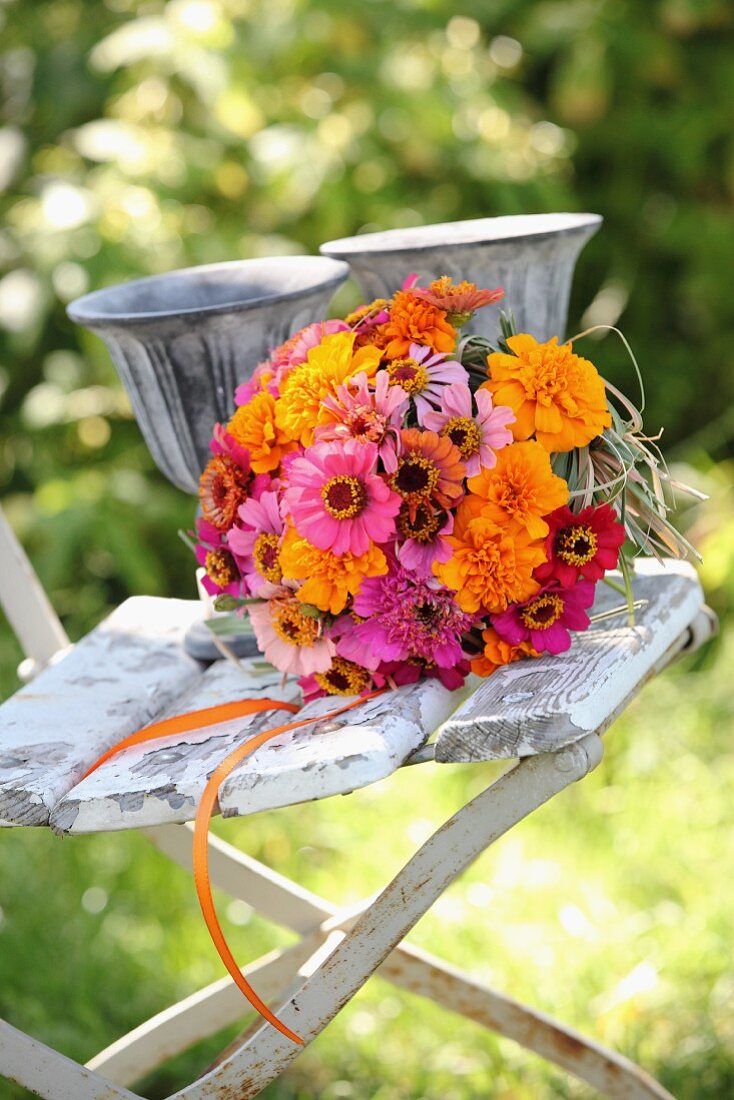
{"x":545,"y":621}
{"x":337,"y":500}
{"x":406,"y":617}
{"x":581,"y":544}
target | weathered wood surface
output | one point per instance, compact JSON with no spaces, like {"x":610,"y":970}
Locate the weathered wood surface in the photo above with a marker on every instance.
{"x":158,"y":785}
{"x":116,"y":679}
{"x":540,"y":705}
{"x":162,"y":782}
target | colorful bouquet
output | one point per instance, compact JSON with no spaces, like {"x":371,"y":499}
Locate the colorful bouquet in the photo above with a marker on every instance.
{"x":390,"y":501}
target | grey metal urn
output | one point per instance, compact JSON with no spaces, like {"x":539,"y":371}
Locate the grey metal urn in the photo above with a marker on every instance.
{"x":182,"y":342}
{"x":531,"y":255}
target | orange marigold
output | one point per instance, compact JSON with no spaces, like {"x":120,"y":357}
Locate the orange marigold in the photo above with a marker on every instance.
{"x":490,"y":566}
{"x":413,"y":321}
{"x":329,"y":579}
{"x":520,"y":488}
{"x":254,"y":426}
{"x":497,"y":652}
{"x":555,"y":395}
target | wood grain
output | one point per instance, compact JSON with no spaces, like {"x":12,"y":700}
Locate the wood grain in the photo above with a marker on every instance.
{"x":540,"y":705}
{"x":147,"y":786}
{"x":116,"y":679}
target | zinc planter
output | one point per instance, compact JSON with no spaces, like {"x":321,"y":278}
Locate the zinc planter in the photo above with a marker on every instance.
{"x":182,"y":342}
{"x":531,"y":255}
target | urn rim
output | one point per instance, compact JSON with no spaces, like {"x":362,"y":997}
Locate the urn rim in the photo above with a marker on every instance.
{"x":474,"y":233}
{"x":101,"y":308}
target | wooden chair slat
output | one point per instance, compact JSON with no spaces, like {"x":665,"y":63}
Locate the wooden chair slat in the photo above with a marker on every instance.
{"x":162,"y":784}
{"x":119,"y":677}
{"x":540,"y":705}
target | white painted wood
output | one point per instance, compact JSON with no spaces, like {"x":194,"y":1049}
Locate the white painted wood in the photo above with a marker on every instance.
{"x":540,"y":705}
{"x":49,"y":1074}
{"x":163,"y":781}
{"x":340,"y":754}
{"x":391,"y":916}
{"x":28,"y":608}
{"x":157,"y":785}
{"x":116,"y":679}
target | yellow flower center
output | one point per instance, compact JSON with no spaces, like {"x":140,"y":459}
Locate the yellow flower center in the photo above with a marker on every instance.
{"x":424,"y":525}
{"x":409,"y":374}
{"x":220,"y":567}
{"x":464,"y":433}
{"x":576,"y":545}
{"x":343,"y":678}
{"x":265,"y":556}
{"x":344,"y":497}
{"x":542,"y":612}
{"x":415,"y":478}
{"x":294,"y":627}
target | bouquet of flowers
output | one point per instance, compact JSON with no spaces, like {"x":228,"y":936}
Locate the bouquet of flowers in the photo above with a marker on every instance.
{"x":392,"y":501}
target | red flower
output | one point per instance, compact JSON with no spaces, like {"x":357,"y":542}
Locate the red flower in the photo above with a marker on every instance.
{"x":581,"y":545}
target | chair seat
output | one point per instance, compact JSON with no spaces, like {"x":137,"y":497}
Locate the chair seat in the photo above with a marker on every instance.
{"x":132,"y":670}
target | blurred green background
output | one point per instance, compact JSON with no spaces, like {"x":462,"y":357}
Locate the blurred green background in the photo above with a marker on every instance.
{"x":136,"y":137}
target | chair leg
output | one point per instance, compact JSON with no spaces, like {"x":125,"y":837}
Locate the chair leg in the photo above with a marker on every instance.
{"x":610,"y":1073}
{"x":45,"y":1072}
{"x":200,"y":1015}
{"x":382,"y":926}
{"x":407,"y":967}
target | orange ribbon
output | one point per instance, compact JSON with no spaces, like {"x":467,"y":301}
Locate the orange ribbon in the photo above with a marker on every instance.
{"x":200,"y":719}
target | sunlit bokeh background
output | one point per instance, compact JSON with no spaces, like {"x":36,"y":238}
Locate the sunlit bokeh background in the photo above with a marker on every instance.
{"x":137,"y":136}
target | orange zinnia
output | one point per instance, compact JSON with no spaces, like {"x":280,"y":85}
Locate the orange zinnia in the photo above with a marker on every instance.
{"x":329,"y":579}
{"x":555,"y":395}
{"x":413,"y":321}
{"x":222,"y":488}
{"x":253,"y":425}
{"x":490,"y":566}
{"x":521,"y":488}
{"x":497,"y":652}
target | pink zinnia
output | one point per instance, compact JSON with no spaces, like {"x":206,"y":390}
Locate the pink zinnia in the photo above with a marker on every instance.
{"x":222,"y":571}
{"x":222,"y":443}
{"x":425,"y":537}
{"x":545,"y":621}
{"x":478,"y":435}
{"x":336,"y":499}
{"x":424,"y":375}
{"x":367,"y":415}
{"x":255,"y":541}
{"x":290,"y":640}
{"x":406,"y":617}
{"x":254,"y":384}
